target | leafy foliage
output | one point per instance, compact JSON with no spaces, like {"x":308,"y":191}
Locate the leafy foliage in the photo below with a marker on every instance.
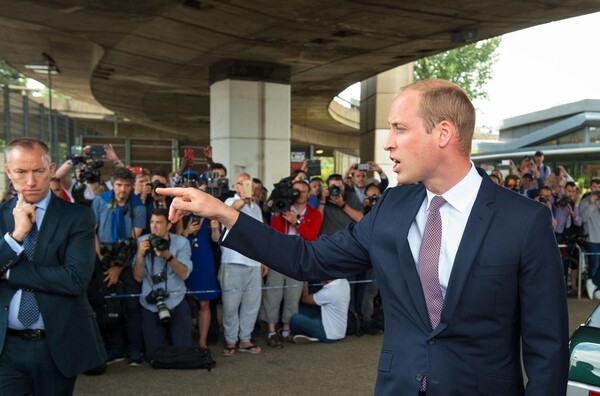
{"x":469,"y":66}
{"x":9,"y":76}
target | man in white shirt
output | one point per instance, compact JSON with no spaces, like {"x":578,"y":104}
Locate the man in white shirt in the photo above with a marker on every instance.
{"x":323,"y":316}
{"x":241,"y":281}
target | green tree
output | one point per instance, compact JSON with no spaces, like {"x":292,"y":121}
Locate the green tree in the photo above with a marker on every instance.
{"x":469,"y":66}
{"x":9,"y":76}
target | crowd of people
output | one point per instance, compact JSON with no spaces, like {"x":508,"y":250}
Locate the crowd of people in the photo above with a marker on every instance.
{"x":153,"y":250}
{"x":139,"y":252}
{"x":575,"y":214}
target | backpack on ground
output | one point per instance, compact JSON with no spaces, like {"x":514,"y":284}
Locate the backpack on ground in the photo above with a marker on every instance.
{"x":182,"y":358}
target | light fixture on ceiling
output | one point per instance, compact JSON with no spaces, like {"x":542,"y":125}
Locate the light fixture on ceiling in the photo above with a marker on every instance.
{"x":319,"y":151}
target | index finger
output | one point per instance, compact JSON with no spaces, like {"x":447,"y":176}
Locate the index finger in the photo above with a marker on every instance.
{"x":19,"y":200}
{"x":174,"y":191}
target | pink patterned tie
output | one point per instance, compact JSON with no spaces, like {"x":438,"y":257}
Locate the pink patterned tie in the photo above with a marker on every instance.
{"x":429,"y":256}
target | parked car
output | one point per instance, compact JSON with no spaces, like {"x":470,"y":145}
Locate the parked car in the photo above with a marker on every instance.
{"x":584,"y":361}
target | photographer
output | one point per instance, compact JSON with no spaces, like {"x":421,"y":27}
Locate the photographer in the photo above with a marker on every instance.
{"x":372,"y":195}
{"x":301,"y":219}
{"x":163,"y":263}
{"x":359,"y":177}
{"x":546,"y":199}
{"x":567,"y":212}
{"x":338,"y":206}
{"x":590,"y":213}
{"x":120,"y":218}
{"x":86,"y":183}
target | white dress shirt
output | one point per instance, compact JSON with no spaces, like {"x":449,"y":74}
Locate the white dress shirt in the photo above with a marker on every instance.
{"x":15,"y":302}
{"x":454,"y":213}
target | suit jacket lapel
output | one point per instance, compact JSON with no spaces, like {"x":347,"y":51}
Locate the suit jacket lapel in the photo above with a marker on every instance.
{"x":407,"y":263}
{"x":475,"y":230}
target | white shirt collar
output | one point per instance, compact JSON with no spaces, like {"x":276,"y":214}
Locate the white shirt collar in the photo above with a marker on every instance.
{"x":462,"y":194}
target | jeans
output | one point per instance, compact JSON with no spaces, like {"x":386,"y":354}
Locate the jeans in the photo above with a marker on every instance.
{"x":594,"y":260}
{"x":179,"y":328}
{"x":241,"y":305}
{"x":308,"y":322}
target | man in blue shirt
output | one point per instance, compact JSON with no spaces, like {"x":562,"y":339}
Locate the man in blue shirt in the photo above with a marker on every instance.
{"x":120,"y":218}
{"x":162,"y":263}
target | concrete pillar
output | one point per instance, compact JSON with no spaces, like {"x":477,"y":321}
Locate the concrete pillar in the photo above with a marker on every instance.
{"x":376,"y":97}
{"x":250,"y":119}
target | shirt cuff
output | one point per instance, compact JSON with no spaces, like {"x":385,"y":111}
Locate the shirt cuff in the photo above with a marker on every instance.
{"x":14,"y":245}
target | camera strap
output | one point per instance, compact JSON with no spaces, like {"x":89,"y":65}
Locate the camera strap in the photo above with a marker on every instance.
{"x":163,"y":273}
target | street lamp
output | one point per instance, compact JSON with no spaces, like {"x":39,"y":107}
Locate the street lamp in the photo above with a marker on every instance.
{"x":48,"y":67}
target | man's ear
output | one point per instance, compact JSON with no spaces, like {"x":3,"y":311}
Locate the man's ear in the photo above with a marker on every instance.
{"x":446,"y":132}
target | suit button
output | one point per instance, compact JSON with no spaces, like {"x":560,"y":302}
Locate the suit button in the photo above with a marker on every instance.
{"x":419,"y":377}
{"x":432,"y":341}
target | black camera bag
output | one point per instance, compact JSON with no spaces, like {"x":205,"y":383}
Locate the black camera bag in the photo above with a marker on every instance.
{"x":182,"y":358}
{"x":110,"y":312}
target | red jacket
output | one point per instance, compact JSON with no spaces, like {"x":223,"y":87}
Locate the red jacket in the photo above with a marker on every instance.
{"x":310,"y":224}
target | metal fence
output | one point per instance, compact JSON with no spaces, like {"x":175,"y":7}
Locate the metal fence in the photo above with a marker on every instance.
{"x":25,"y":117}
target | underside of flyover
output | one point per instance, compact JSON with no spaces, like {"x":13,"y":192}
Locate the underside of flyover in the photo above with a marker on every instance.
{"x":149,"y":61}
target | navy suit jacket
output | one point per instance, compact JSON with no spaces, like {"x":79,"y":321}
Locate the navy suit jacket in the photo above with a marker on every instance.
{"x":506,"y":283}
{"x":59,"y":276}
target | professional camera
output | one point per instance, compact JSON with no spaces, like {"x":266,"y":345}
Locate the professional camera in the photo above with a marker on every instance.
{"x":543,"y":200}
{"x":214,"y":184}
{"x":334,"y":191}
{"x":158,"y":297}
{"x":117,"y":253}
{"x":158,"y":243}
{"x":283,"y":195}
{"x":160,"y":277}
{"x":89,"y":167}
{"x":563,"y":202}
{"x":156,"y":184}
{"x":373,"y":199}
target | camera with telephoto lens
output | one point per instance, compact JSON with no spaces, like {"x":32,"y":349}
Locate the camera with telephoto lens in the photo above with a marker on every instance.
{"x":334,"y":191}
{"x":158,"y":297}
{"x":283,"y":195}
{"x":117,"y":254}
{"x":543,"y":200}
{"x":158,"y":243}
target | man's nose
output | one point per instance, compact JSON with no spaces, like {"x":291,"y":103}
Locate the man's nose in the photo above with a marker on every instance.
{"x":30,"y":179}
{"x":388,"y":145}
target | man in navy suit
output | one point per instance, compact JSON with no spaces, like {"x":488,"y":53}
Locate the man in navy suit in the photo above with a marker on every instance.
{"x":498,"y":292}
{"x":48,"y":332}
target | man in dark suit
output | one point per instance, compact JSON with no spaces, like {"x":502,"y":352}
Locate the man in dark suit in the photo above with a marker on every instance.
{"x":469,"y":273}
{"x":48,"y":332}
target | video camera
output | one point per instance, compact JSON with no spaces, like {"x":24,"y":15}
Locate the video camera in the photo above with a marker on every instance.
{"x":89,"y":167}
{"x":283,"y":195}
{"x":214,"y":184}
{"x":117,"y":254}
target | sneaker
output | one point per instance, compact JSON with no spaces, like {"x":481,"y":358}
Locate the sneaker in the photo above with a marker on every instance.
{"x":114,"y":357}
{"x":590,"y":287}
{"x":303,"y":339}
{"x":135,"y":361}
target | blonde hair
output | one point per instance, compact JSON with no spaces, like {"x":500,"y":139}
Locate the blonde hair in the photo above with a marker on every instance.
{"x":441,"y":100}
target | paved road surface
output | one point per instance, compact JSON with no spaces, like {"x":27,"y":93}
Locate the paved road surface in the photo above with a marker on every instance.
{"x":345,"y":368}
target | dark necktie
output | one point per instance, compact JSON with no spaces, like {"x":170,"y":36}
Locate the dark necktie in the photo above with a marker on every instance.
{"x":429,"y":259}
{"x":28,"y":310}
{"x":429,"y":256}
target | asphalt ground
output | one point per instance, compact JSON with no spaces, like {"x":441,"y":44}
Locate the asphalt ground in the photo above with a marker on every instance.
{"x":348,"y":367}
